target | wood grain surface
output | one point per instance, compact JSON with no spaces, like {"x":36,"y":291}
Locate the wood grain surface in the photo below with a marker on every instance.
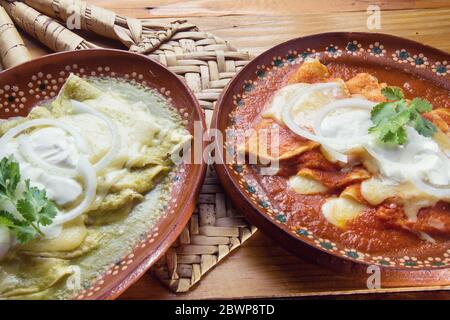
{"x":261,"y":268}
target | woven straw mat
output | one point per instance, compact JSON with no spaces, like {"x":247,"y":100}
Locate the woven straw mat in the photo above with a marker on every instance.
{"x":207,"y":63}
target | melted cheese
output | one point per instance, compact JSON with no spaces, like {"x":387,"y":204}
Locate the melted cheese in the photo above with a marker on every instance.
{"x":70,"y":238}
{"x":339,"y":211}
{"x":377,"y":190}
{"x":306,"y":185}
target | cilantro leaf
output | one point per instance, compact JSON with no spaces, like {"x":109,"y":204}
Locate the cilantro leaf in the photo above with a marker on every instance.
{"x":400,"y":105}
{"x":35,"y":206}
{"x":6,"y":219}
{"x":391,"y":130}
{"x":391,"y":118}
{"x":34,"y":209}
{"x":23,"y":231}
{"x":423,"y":126}
{"x":420,"y":105}
{"x":393,"y":93}
{"x":9,"y":177}
{"x":401,"y":136}
{"x":382,"y":111}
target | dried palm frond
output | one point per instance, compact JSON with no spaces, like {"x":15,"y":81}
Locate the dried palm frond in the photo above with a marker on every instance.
{"x":12,"y":48}
{"x":139,"y":35}
{"x":45,"y":29}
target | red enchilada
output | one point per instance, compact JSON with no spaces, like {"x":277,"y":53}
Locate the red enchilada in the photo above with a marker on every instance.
{"x":363,"y":155}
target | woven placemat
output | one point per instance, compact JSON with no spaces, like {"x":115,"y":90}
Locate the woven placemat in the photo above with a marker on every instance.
{"x":207,"y":63}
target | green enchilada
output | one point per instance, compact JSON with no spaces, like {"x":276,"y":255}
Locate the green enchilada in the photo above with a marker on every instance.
{"x":82,"y":177}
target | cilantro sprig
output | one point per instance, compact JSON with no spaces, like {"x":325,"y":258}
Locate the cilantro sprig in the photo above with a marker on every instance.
{"x":391,"y":118}
{"x":9,"y":178}
{"x":33,"y":208}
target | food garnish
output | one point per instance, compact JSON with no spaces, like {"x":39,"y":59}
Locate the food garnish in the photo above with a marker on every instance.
{"x":32,"y":208}
{"x":391,"y":118}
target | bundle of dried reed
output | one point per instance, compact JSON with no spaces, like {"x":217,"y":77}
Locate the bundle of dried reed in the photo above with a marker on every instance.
{"x":12,"y":48}
{"x":139,"y":35}
{"x":47,"y":30}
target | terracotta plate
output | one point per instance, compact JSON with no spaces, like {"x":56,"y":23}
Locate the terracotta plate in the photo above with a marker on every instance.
{"x":23,"y":86}
{"x":254,"y":85}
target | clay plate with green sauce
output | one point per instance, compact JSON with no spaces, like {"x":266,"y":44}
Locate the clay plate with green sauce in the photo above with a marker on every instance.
{"x":132,"y":239}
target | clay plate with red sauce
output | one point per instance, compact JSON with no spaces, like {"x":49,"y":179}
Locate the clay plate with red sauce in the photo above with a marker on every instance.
{"x":24,"y":86}
{"x":416,"y":68}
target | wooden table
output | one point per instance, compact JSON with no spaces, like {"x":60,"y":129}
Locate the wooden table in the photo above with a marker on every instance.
{"x":260,"y":268}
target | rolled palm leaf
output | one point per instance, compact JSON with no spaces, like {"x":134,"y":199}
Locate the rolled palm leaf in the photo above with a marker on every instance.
{"x":45,"y":29}
{"x":139,"y":35}
{"x":12,"y":48}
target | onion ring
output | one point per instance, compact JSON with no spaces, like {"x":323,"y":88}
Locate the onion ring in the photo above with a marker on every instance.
{"x":80,"y":107}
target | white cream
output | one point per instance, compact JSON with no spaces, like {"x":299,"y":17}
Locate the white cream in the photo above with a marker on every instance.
{"x":346,"y":124}
{"x":421,"y":155}
{"x":54,"y":146}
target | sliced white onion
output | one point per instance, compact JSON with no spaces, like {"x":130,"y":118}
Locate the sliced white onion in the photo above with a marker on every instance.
{"x":335,"y":154}
{"x":290,"y":123}
{"x":438,"y":192}
{"x":426,"y":237}
{"x":5,"y":241}
{"x":32,"y":156}
{"x":116,"y":176}
{"x":79,"y":107}
{"x":327,"y":143}
{"x":13,"y":132}
{"x":53,"y":231}
{"x":89,"y":175}
{"x":287,"y":117}
{"x":414,"y":170}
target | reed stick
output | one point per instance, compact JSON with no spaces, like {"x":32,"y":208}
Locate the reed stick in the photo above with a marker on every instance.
{"x":45,"y":29}
{"x":139,"y":35}
{"x":12,"y":48}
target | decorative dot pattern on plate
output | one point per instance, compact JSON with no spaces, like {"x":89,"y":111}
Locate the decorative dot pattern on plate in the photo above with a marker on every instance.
{"x":258,"y":198}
